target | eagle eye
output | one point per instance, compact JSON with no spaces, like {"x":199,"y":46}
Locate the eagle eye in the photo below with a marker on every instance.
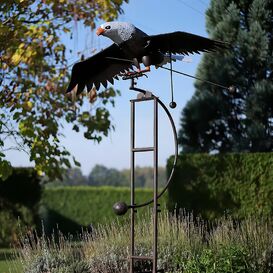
{"x":107,"y":27}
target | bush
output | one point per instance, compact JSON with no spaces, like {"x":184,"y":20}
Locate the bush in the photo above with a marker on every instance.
{"x":19,"y":198}
{"x":47,"y":255}
{"x":74,"y":207}
{"x":184,"y":246}
{"x":22,"y":187}
{"x":11,"y":226}
{"x":230,"y":259}
{"x":214,"y":185}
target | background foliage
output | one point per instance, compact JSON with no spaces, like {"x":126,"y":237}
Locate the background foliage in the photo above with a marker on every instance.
{"x":210,"y":185}
{"x":26,"y":203}
{"x":34,"y":73}
{"x":241,"y":119}
{"x":103,"y":176}
{"x":73,"y":207}
{"x":214,"y":185}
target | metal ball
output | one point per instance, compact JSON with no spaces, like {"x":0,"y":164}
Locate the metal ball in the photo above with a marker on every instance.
{"x":120,"y":208}
{"x":172,"y":104}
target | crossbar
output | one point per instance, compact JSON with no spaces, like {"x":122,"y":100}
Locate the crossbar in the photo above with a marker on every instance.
{"x":144,"y":149}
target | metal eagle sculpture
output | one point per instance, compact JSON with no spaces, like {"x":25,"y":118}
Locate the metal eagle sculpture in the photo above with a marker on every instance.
{"x":132,"y":47}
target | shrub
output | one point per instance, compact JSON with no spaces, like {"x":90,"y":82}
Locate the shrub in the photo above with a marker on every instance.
{"x":10,"y":226}
{"x":214,"y":185}
{"x":228,"y":260}
{"x":22,"y":187}
{"x":51,"y":255}
{"x":19,"y":198}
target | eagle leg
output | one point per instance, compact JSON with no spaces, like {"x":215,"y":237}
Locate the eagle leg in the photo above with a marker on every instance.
{"x":133,"y":75}
{"x":138,"y":71}
{"x":147,"y":69}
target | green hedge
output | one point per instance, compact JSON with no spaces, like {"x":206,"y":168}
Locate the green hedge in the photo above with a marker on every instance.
{"x":73,"y":207}
{"x":213,"y":185}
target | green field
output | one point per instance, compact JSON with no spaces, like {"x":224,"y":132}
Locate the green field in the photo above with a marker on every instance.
{"x":8,"y":261}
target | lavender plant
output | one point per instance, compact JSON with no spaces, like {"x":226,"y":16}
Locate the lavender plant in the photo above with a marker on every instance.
{"x":186,"y":244}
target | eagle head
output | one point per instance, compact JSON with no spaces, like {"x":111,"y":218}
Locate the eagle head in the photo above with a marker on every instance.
{"x":118,"y":32}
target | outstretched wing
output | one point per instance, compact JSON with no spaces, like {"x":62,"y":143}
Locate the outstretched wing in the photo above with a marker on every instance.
{"x":183,"y":43}
{"x":98,"y":69}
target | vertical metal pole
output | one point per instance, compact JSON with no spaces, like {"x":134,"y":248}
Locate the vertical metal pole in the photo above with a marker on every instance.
{"x":132,"y":186}
{"x":155,"y":210}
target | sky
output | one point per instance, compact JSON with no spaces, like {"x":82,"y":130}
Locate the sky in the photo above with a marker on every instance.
{"x":152,"y":17}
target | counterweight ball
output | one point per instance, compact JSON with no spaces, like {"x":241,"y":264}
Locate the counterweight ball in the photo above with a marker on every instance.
{"x":120,"y":208}
{"x":232,"y":89}
{"x":172,"y":104}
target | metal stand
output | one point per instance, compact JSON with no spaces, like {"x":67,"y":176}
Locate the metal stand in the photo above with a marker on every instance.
{"x":120,"y":208}
{"x":134,"y":150}
{"x":143,"y":97}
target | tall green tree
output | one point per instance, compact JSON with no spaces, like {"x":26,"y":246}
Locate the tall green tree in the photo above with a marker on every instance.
{"x":33,"y":76}
{"x":239,"y":119}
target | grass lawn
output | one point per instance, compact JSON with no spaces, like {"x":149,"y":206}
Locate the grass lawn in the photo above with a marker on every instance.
{"x":8,"y":263}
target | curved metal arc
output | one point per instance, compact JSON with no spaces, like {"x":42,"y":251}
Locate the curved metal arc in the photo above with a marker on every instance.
{"x":175,"y":157}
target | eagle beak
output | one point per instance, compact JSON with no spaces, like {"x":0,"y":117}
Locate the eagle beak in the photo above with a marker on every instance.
{"x":99,"y":31}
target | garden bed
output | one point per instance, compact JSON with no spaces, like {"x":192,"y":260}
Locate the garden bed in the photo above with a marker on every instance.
{"x":186,"y":244}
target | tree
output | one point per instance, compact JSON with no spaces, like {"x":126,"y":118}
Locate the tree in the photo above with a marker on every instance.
{"x":239,"y":119}
{"x":34,"y":73}
{"x":101,"y":176}
{"x":70,"y":177}
{"x":144,"y":177}
{"x":74,"y":177}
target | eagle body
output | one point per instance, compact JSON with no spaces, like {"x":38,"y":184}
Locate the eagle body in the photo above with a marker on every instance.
{"x":131,"y":47}
{"x":139,"y":52}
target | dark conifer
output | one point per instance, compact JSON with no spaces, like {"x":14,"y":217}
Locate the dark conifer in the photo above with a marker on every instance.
{"x":239,"y":119}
